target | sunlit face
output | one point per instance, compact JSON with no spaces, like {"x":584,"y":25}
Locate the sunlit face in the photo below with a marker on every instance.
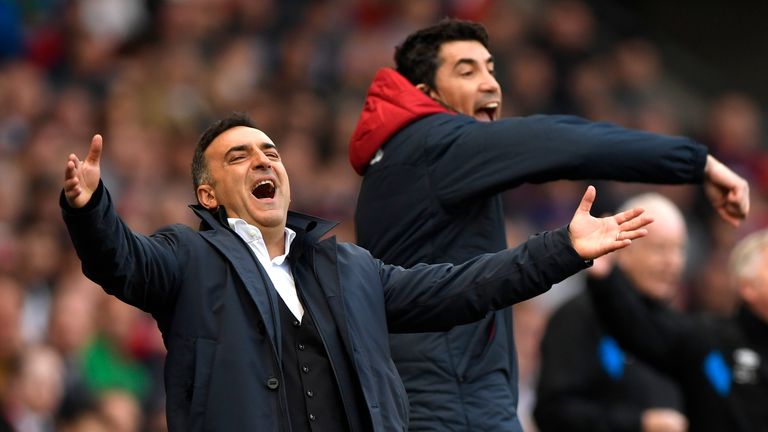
{"x":656,"y":262}
{"x":754,"y":290}
{"x":464,"y":80}
{"x":248,"y":178}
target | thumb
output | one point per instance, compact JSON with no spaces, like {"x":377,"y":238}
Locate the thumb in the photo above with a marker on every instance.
{"x":94,"y":153}
{"x":588,"y":199}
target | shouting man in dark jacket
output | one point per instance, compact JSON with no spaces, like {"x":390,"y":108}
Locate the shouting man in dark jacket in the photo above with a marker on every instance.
{"x":435,"y":156}
{"x":270,"y":329}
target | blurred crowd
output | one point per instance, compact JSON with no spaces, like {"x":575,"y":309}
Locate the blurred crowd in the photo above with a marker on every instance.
{"x":150,"y":75}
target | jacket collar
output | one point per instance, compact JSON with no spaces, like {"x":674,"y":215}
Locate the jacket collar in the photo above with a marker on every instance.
{"x":308,"y":228}
{"x":392,"y":103}
{"x":214,"y":228}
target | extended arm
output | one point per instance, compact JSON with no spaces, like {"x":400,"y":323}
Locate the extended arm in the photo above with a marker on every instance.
{"x":435,"y":298}
{"x":137,"y":269}
{"x":474,"y":159}
{"x":438,"y":297}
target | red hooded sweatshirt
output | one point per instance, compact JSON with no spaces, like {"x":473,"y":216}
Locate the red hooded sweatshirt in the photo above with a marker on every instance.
{"x":392,"y":103}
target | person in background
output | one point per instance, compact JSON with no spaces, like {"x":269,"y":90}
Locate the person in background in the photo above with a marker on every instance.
{"x":586,"y":381}
{"x":38,"y":389}
{"x":720,"y":364}
{"x":11,"y":346}
{"x":435,"y":156}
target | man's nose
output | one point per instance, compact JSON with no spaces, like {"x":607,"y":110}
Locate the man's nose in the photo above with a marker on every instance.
{"x":260,"y":161}
{"x":489,"y":84}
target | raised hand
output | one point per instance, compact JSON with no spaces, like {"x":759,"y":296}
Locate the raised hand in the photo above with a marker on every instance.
{"x":593,"y":237}
{"x":82,"y":178}
{"x":727,"y":191}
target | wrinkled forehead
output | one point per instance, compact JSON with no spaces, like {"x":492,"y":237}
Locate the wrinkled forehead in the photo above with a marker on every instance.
{"x":239,"y":136}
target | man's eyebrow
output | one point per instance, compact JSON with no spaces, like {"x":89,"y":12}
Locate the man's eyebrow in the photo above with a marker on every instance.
{"x":471,"y":62}
{"x":247,"y":147}
{"x":466,"y":61}
{"x":241,"y":147}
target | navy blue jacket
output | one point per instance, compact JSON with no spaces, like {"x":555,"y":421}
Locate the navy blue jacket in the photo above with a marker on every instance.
{"x":430,"y":194}
{"x":218,"y":312}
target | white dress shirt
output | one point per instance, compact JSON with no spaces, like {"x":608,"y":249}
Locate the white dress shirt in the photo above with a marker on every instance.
{"x":278,"y":270}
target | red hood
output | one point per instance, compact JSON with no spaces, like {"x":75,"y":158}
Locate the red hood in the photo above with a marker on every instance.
{"x":391,"y":104}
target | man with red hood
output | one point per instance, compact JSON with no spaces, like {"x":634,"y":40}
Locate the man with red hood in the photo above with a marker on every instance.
{"x":435,"y":156}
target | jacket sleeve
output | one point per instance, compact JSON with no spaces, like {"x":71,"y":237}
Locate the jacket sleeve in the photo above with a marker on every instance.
{"x":665,"y":339}
{"x":469,"y":158}
{"x":427,"y":298}
{"x":568,"y":389}
{"x":140,"y":270}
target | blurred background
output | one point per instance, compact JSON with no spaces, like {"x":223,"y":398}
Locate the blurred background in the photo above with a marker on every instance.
{"x":150,"y":75}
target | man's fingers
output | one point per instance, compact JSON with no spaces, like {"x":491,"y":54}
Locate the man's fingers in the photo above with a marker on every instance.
{"x":616,"y":245}
{"x":72,"y":194}
{"x":634,"y":234}
{"x":738,"y":201}
{"x":69,"y":172}
{"x":632,"y":229}
{"x":728,"y":191}
{"x":734,"y":212}
{"x":72,"y":190}
{"x":735,"y":206}
{"x":94,"y":153}
{"x":635,"y":223}
{"x":734,"y":220}
{"x":71,"y":183}
{"x":80,"y":176}
{"x":628,"y":215}
{"x":588,"y":199}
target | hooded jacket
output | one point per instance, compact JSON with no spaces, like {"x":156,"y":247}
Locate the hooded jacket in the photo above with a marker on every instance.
{"x":430,"y":194}
{"x":218,"y":311}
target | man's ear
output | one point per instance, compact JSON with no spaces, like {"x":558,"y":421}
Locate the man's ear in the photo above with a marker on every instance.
{"x":424,"y":89}
{"x":747,"y":291}
{"x":206,"y":196}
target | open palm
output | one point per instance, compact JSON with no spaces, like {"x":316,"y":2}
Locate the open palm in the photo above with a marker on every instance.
{"x":81,"y":178}
{"x":594,"y":237}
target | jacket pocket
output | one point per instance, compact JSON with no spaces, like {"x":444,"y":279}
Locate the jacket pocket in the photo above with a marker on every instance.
{"x":205,"y":353}
{"x":386,"y":398}
{"x":187,"y":375}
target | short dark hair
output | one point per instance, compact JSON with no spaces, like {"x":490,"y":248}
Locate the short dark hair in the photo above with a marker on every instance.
{"x":200,"y":172}
{"x":416,"y":58}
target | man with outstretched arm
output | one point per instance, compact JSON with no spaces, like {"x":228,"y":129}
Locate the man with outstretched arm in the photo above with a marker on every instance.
{"x":269,"y":328}
{"x":435,"y":155}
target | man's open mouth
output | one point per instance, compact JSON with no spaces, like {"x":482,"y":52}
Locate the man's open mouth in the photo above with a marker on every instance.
{"x":489,"y":110}
{"x":265,"y":189}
